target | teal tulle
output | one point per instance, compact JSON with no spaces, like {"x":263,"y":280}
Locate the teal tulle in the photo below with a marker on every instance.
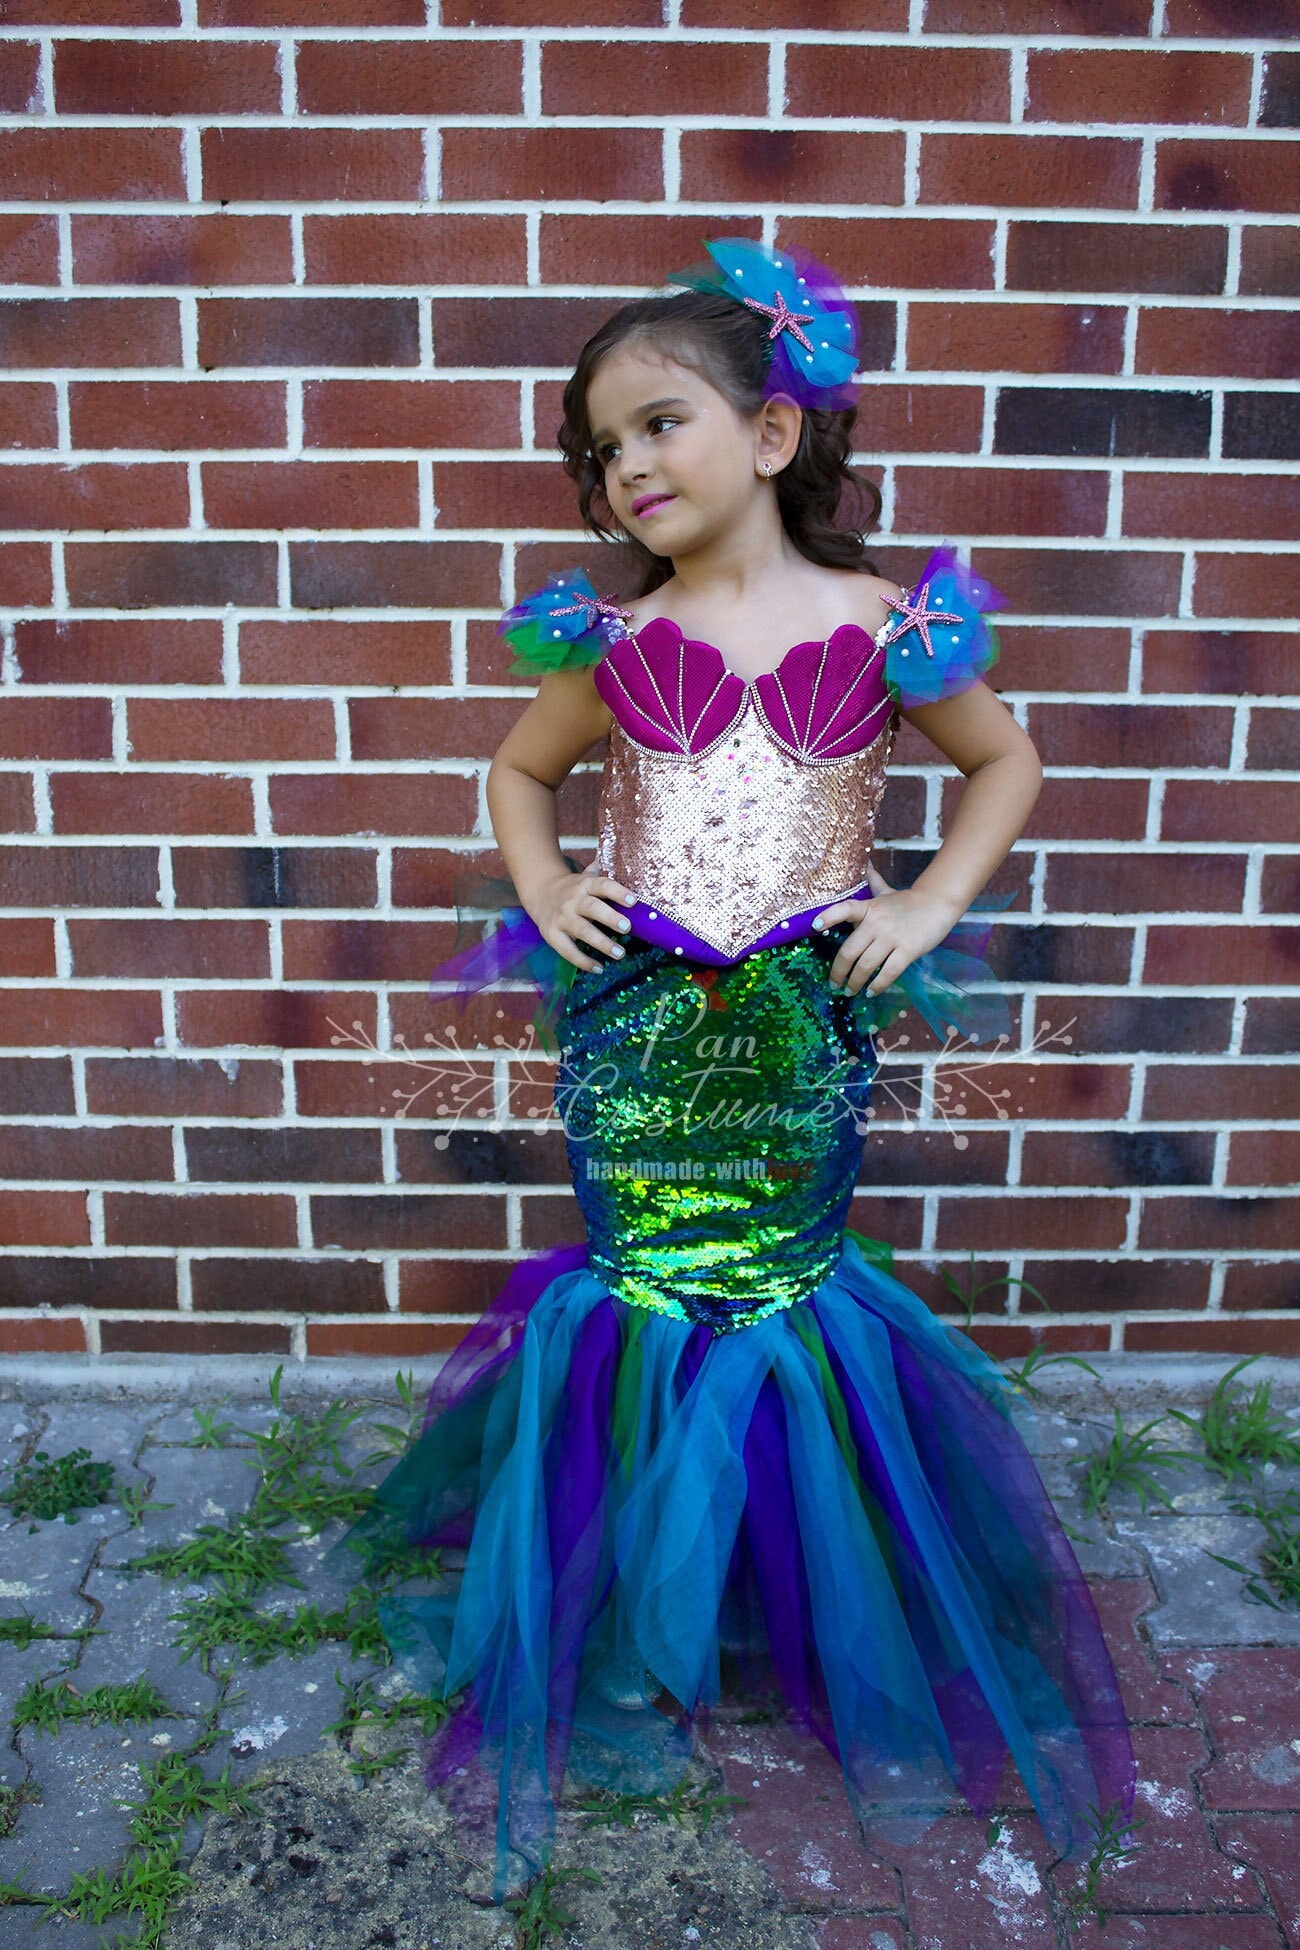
{"x":959,"y":651}
{"x":564,"y":626}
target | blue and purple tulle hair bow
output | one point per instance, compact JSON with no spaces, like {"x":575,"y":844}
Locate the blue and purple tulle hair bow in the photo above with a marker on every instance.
{"x":811,"y":325}
{"x":563,"y":624}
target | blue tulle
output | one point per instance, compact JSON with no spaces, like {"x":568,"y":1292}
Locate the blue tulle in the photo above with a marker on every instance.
{"x":960,"y":652}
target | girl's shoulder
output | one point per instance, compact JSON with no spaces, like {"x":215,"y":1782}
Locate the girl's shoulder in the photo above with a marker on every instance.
{"x":565,"y":625}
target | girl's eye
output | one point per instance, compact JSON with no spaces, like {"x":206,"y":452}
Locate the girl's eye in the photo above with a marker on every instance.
{"x":655,"y":420}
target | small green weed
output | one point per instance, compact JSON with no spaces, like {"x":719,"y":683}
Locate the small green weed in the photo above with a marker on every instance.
{"x":1240,"y":1430}
{"x":1112,"y":1847}
{"x":1126,"y":1463}
{"x":59,"y":1487}
{"x":682,"y":1804}
{"x":534,"y":1910}
{"x":46,"y":1707}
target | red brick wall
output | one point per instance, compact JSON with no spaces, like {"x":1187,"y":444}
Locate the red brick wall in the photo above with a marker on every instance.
{"x":292,"y":290}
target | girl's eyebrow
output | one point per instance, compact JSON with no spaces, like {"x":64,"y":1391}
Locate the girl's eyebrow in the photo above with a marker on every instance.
{"x":639,"y":411}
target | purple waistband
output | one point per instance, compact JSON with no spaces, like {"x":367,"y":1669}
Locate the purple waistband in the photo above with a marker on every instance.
{"x":657,"y":929}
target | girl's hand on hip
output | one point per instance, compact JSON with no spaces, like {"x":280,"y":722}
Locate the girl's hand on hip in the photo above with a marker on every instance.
{"x":569,"y":907}
{"x":893,"y":928}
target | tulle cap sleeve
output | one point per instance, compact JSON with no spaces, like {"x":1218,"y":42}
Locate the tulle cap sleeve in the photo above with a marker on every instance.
{"x":564,"y":626}
{"x":939,"y":641}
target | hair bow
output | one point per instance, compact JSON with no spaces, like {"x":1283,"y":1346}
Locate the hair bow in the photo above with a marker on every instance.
{"x":812,"y":325}
{"x":564,"y":623}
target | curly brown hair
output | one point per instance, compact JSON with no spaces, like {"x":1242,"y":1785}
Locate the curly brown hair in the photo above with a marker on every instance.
{"x":727,"y":344}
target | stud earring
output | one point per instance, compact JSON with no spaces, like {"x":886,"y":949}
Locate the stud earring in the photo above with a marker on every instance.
{"x":767,"y":469}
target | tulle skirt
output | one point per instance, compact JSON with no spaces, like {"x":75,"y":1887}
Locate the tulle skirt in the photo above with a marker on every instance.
{"x":719,"y":1449}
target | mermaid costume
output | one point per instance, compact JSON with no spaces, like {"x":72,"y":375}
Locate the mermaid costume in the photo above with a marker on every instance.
{"x":718,"y":1446}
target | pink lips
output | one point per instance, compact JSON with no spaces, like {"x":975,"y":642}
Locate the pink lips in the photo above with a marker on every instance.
{"x":649,"y":507}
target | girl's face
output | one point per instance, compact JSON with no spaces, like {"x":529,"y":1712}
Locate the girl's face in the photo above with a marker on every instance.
{"x":659,"y":429}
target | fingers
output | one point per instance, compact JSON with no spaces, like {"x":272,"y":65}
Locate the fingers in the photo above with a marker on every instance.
{"x":579,"y":914}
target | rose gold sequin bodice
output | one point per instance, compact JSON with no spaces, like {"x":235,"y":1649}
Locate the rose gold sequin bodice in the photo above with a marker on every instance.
{"x":729,"y":807}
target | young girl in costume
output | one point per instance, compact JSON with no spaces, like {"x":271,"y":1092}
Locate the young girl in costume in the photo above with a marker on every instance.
{"x":719,"y":1446}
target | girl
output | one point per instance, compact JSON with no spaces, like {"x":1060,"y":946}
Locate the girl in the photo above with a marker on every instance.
{"x":719,"y":1439}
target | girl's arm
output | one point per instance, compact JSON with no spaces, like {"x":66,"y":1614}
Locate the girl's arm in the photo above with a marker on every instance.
{"x":561,"y":724}
{"x":975,"y":730}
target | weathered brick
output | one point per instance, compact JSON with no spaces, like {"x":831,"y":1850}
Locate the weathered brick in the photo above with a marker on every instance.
{"x":29,"y":248}
{"x":1101,"y":420}
{"x":418,"y":413}
{"x":171,"y":1087}
{"x":95,"y":496}
{"x":345,"y":653}
{"x":312,"y":13}
{"x":281,"y":1018}
{"x":398,"y":248}
{"x":1279,"y":105}
{"x":426,"y":727}
{"x":970,"y":336}
{"x":20,"y":63}
{"x":43,"y":1218}
{"x":274,"y":876}
{"x":1223,"y":20}
{"x":170,"y":730}
{"x":218,"y":248}
{"x":174,"y":77}
{"x":36,"y":332}
{"x":1075,"y":253}
{"x":113,"y":650}
{"x":52,"y":727}
{"x":48,"y":875}
{"x":405,"y":1219}
{"x":400,"y":575}
{"x":372,"y":802}
{"x":311,"y":494}
{"x":1261,"y":426}
{"x":150,"y":802}
{"x":140,"y":575}
{"x":1241,"y":507}
{"x":416,"y":77}
{"x":199,"y":1219}
{"x":358,"y":951}
{"x":237,"y":950}
{"x":26,"y":577}
{"x":811,"y":165}
{"x":108,"y":13}
{"x":1237,"y":343}
{"x":1270,"y":261}
{"x":36,"y":1086}
{"x":1206,"y":173}
{"x":72,"y":1018}
{"x":91,"y":164}
{"x":60,"y":1280}
{"x":28,"y":416}
{"x":1113,"y":85}
{"x":645,"y":77}
{"x":345,"y":1157}
{"x":1046,"y":171}
{"x":176,"y":415}
{"x":301,"y":1285}
{"x":91,"y":1152}
{"x":1000,"y":501}
{"x":275,"y":165}
{"x":27,"y":946}
{"x":308,"y":332}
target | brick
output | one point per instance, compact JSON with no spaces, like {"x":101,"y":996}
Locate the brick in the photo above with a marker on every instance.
{"x":1116,"y":85}
{"x":372,"y":802}
{"x":72,"y":1018}
{"x":488,"y":247}
{"x":1231,"y":585}
{"x":653,"y":78}
{"x":1227,"y":809}
{"x":1242,"y":1224}
{"x":1045,"y":171}
{"x":365,"y":1089}
{"x":345,"y":653}
{"x":1261,"y":426}
{"x":1234,"y":956}
{"x":43,"y":1219}
{"x":549,"y":13}
{"x":429,"y":76}
{"x":45,"y":1336}
{"x":512,"y":331}
{"x":1228,"y":1337}
{"x":28,"y":416}
{"x":171,"y":1087}
{"x":1231,"y":662}
{"x":1266,"y":1844}
{"x":311,"y":494}
{"x":176,"y":415}
{"x":300,"y":1285}
{"x":1175,"y":883}
{"x":1269,"y":1026}
{"x":1074,"y":254}
{"x":58,"y":1280}
{"x":214,"y":249}
{"x":94,"y":496}
{"x":36,"y":1086}
{"x":199,"y":1219}
{"x":308,"y":332}
{"x":274,"y":876}
{"x":1103,"y":421}
{"x":26,"y":577}
{"x":813,"y":165}
{"x":1238,"y":344}
{"x":108,"y":13}
{"x":1273,"y":1283}
{"x":1247,"y":507}
{"x":571,"y":241}
{"x":1222,"y":20}
{"x":1279,"y":105}
{"x":27,"y":947}
{"x":309,"y":165}
{"x":17,"y":811}
{"x":149,"y":802}
{"x":398,"y":575}
{"x":959,"y":1891}
{"x":420,"y":413}
{"x":400,"y":1340}
{"x":1270,"y":261}
{"x":1205,"y":174}
{"x":372,"y":1221}
{"x":42,"y":332}
{"x":1263,"y":1158}
{"x":361,"y":951}
{"x":187,"y":1339}
{"x":1120,"y":1286}
{"x":476,"y":1157}
{"x":117,"y":650}
{"x":101,"y":165}
{"x":20,"y":63}
{"x":549,"y":164}
{"x":348,"y":1157}
{"x":176,"y":77}
{"x":1132,"y":735}
{"x":1000,"y":501}
{"x":138,"y":575}
{"x":426,"y":727}
{"x":29,"y":248}
{"x":1239,"y":1090}
{"x":1273,"y":740}
{"x":920,"y":84}
{"x":1003,"y":1224}
{"x":967,"y":335}
{"x":1121,"y":1158}
{"x":163,"y":730}
{"x":312,"y":13}
{"x":1110,"y":18}
{"x":280,"y":1018}
{"x":51,"y":727}
{"x":524,"y":494}
{"x":93,"y":1152}
{"x":49,"y":875}
{"x":462,"y":1286}
{"x":237,"y":950}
